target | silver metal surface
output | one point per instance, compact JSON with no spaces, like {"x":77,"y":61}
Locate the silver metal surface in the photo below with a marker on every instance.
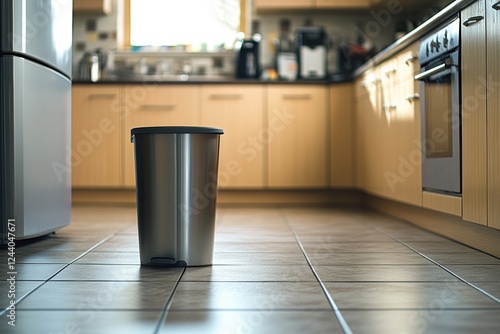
{"x":40,"y":30}
{"x":35,"y":116}
{"x":176,"y":179}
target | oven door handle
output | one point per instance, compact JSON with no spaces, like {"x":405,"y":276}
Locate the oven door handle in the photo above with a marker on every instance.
{"x":435,"y":70}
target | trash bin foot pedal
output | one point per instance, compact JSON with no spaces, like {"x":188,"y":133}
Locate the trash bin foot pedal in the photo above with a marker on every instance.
{"x":166,"y":262}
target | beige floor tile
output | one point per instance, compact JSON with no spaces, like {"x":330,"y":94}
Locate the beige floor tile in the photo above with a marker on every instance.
{"x":16,"y":291}
{"x":463,"y":258}
{"x":491,"y":288}
{"x":384,"y":273}
{"x":410,"y":295}
{"x":477,"y":273}
{"x":60,"y":295}
{"x":262,"y":322}
{"x":47,"y":257}
{"x":264,"y":296}
{"x":358,"y":258}
{"x":259,"y":258}
{"x":84,"y":322}
{"x":95,"y":257}
{"x":99,"y":272}
{"x":257,"y":247}
{"x":445,"y":246}
{"x":424,"y":321}
{"x":32,"y":271}
{"x":249,"y":274}
{"x":350,"y":247}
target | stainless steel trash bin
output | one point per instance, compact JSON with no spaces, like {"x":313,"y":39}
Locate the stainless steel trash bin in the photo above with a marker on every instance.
{"x":176,"y":185}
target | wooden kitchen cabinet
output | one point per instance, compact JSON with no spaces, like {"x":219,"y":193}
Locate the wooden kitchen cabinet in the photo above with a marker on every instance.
{"x":341,"y":136}
{"x":339,"y":4}
{"x":93,"y":6}
{"x":298,"y":136}
{"x":387,"y":130}
{"x":480,"y":114}
{"x":283,"y":4}
{"x":262,"y":5}
{"x":95,"y":134}
{"x":156,"y":105}
{"x":239,"y":111}
{"x":493,"y":110}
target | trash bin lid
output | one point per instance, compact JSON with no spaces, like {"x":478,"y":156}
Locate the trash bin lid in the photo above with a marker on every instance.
{"x":176,"y":130}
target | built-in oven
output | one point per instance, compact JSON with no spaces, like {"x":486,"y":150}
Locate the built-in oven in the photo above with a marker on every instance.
{"x":439,"y":78}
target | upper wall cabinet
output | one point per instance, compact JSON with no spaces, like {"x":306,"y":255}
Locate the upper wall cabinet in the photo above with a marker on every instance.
{"x":262,"y":5}
{"x":102,"y":7}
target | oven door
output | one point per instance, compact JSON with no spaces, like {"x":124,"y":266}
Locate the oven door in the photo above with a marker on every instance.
{"x":440,"y":110}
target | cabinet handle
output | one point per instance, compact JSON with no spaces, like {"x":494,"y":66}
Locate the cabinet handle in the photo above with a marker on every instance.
{"x":410,"y":60}
{"x":225,"y":97}
{"x":372,"y":82}
{"x":389,"y":107}
{"x":158,"y":107}
{"x":413,"y":97}
{"x":98,"y":96}
{"x":389,"y":72}
{"x":471,"y":20}
{"x":296,"y":96}
{"x":496,"y":6}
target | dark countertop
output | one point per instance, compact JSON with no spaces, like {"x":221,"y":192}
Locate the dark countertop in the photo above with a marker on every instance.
{"x":197,"y":80}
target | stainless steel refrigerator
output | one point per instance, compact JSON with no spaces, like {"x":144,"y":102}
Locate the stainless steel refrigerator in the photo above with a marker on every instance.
{"x":35,"y":115}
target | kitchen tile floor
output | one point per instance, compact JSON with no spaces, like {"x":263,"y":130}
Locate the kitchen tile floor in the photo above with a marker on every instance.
{"x":276,"y":270}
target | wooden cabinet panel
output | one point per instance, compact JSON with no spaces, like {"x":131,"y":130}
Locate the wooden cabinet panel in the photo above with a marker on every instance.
{"x":239,"y":111}
{"x":338,"y":4}
{"x":283,"y":4}
{"x":93,"y":6}
{"x":297,"y":121}
{"x":96,"y":134}
{"x":474,"y":140}
{"x":387,"y":130}
{"x":341,"y":136}
{"x":493,"y":111}
{"x":155,"y":105}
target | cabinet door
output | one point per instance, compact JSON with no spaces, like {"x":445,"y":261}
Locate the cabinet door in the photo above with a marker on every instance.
{"x":156,"y":105}
{"x":493,"y":107}
{"x":238,"y":110}
{"x":92,"y":6}
{"x":283,"y":4}
{"x":474,"y":149}
{"x":297,"y":121}
{"x":341,"y":136}
{"x":347,"y":4}
{"x":403,"y":157}
{"x":95,"y":135}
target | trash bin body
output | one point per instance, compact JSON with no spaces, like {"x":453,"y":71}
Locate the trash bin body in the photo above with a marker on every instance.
{"x":176,"y":187}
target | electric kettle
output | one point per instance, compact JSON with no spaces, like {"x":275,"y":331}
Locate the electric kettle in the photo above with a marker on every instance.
{"x":91,"y":65}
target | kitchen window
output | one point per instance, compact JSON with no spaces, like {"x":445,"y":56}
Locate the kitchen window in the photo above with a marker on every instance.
{"x":199,"y":24}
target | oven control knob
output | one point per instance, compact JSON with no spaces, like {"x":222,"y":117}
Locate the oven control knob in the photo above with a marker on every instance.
{"x":437,"y":44}
{"x":445,"y":39}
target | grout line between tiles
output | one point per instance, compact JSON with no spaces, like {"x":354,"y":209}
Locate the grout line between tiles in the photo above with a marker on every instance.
{"x":336,"y":310}
{"x":163,"y":316}
{"x":64,"y":267}
{"x":486,"y":293}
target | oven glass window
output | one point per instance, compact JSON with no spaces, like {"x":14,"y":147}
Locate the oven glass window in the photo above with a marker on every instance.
{"x":438,"y":116}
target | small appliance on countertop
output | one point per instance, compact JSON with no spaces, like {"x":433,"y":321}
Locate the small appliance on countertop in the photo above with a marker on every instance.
{"x":91,"y":65}
{"x":247,"y":57}
{"x":310,"y":43}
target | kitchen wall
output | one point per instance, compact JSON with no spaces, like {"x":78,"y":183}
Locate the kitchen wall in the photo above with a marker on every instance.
{"x":374,"y":26}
